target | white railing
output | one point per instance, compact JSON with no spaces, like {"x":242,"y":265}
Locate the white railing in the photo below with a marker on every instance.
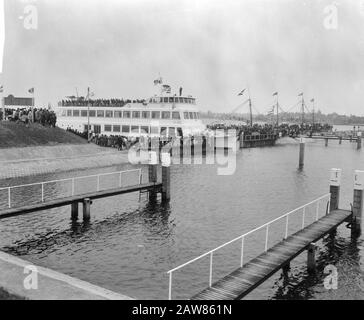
{"x":242,"y":237}
{"x":73,"y":181}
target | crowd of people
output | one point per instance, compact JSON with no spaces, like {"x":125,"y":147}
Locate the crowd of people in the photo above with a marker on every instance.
{"x":28,"y":115}
{"x":99,"y":102}
{"x":113,"y":141}
{"x":285,"y":129}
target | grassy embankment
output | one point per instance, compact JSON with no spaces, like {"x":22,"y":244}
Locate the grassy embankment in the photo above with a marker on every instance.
{"x":14,"y":135}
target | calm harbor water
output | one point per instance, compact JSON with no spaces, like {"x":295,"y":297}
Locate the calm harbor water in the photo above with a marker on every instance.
{"x":129,"y":244}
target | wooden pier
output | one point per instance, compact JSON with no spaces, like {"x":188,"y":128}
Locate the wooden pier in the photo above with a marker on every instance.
{"x":249,"y":275}
{"x":243,"y":280}
{"x":152,"y":187}
{"x":72,"y":200}
{"x":261,"y":140}
{"x":357,"y":139}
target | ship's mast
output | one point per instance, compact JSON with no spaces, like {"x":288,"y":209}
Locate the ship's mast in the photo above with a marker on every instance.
{"x":302,"y":111}
{"x":277,"y":111}
{"x":250,"y":109}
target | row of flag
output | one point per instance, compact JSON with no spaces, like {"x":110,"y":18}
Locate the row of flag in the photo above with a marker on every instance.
{"x":274,"y":94}
{"x":158,"y":81}
{"x":31,"y":90}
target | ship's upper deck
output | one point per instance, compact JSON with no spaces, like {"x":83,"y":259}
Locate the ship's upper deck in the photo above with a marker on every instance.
{"x":162,"y":100}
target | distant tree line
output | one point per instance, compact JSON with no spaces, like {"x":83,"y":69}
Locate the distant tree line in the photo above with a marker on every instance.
{"x":292,"y":117}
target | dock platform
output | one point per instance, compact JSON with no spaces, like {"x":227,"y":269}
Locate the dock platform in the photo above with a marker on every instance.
{"x":243,"y":280}
{"x":16,"y":211}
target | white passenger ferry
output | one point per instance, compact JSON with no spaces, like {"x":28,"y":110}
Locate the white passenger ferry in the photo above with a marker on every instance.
{"x":165,"y":114}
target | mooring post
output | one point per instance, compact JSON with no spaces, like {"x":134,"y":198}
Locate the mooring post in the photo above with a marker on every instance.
{"x":326,"y":142}
{"x":302,"y":153}
{"x":152,"y":167}
{"x":166,"y":176}
{"x":86,"y":209}
{"x":358,"y":141}
{"x":286,"y":268}
{"x":152,"y":172}
{"x":241,"y":142}
{"x":340,"y":139}
{"x":74,"y":210}
{"x":311,"y":257}
{"x":335,"y":181}
{"x":358,"y":202}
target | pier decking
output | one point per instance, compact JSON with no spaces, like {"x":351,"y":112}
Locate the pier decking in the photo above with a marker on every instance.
{"x":12,"y":212}
{"x":243,"y":280}
{"x":152,"y":187}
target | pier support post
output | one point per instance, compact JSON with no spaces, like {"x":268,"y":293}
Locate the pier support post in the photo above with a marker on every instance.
{"x":358,"y":141}
{"x":166,"y":176}
{"x":286,"y":268}
{"x":86,"y":209}
{"x":302,"y":153}
{"x":326,"y":142}
{"x":358,"y":202}
{"x":311,"y":257}
{"x":335,"y":181}
{"x":241,"y":142}
{"x":152,"y":172}
{"x":74,"y":211}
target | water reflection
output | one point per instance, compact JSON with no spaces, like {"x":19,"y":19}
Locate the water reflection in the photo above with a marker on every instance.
{"x":129,"y":245}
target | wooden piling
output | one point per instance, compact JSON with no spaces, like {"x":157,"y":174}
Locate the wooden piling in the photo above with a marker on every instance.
{"x":241,"y":142}
{"x":358,"y":202}
{"x":358,"y":141}
{"x":86,"y":209}
{"x":152,"y":172}
{"x":286,"y":268}
{"x":326,"y":142}
{"x":340,"y":140}
{"x":335,"y":181}
{"x":302,"y":154}
{"x":311,"y":257}
{"x":166,"y":176}
{"x":74,"y":211}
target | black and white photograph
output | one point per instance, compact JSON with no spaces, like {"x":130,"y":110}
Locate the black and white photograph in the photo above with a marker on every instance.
{"x":198,"y":151}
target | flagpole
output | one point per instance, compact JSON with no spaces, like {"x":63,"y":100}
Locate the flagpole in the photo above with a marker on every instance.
{"x":88,"y":114}
{"x":313,"y":114}
{"x":277,"y":112}
{"x":303,"y":111}
{"x":250,"y":108}
{"x":33,"y":104}
{"x":3,"y":103}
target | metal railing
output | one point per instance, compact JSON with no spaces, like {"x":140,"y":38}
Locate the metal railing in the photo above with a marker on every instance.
{"x":72,"y":180}
{"x":242,"y":237}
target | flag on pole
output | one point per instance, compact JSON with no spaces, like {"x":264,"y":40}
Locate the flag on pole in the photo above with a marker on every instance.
{"x":301,"y":94}
{"x":275,"y":94}
{"x":270,"y":112}
{"x":241,"y":92}
{"x":166,"y":88}
{"x":31,"y":90}
{"x":158,"y":81}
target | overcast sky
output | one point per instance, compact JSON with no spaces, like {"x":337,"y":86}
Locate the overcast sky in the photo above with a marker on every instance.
{"x":212,"y":48}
